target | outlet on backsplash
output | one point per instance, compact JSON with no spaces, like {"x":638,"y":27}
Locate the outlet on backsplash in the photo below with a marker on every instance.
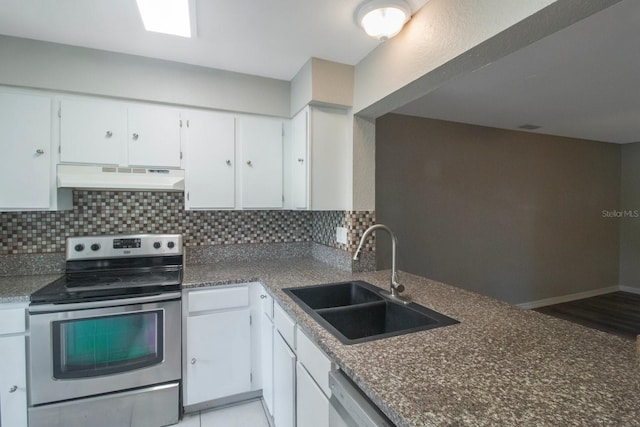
{"x":341,"y":235}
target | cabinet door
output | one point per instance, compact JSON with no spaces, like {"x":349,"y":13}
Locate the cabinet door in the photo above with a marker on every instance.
{"x":153,"y":136}
{"x":218,"y":356}
{"x":13,"y":383}
{"x":25,"y":143}
{"x":284,"y":383}
{"x":93,"y":132}
{"x":330,"y":150}
{"x":267,"y":362}
{"x":312,"y":406}
{"x":299,"y":160}
{"x":210,"y":161}
{"x":260,"y":145}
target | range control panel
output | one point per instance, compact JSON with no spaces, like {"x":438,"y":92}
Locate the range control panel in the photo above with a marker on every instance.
{"x":123,"y":246}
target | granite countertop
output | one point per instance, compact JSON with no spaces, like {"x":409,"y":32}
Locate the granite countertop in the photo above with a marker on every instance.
{"x":18,"y":288}
{"x":501,"y":365}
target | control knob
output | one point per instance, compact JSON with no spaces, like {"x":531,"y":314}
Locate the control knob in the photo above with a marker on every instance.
{"x":95,"y":247}
{"x":171,"y":245}
{"x":156,"y":245}
{"x":79,"y":247}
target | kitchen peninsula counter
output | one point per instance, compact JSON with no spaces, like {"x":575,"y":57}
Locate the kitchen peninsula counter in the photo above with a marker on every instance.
{"x":501,"y":365}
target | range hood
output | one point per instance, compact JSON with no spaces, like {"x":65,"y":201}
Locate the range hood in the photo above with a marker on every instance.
{"x":120,"y":178}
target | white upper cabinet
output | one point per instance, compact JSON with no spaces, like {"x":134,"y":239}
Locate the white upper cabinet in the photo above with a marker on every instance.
{"x":298,"y":160}
{"x":29,"y":153}
{"x":113,"y":133}
{"x":93,"y":132}
{"x":320,"y":160}
{"x":260,"y":145}
{"x":210,"y":161}
{"x":153,"y":136}
{"x":25,"y":141}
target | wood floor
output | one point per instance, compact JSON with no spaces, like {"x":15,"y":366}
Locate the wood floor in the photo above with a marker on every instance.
{"x":617,"y":313}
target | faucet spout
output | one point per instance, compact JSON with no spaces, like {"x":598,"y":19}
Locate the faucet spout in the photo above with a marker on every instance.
{"x":395,"y":287}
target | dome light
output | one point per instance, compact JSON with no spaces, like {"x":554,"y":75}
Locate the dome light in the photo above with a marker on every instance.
{"x":382,"y":19}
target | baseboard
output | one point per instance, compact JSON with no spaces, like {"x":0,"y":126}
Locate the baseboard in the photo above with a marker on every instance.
{"x":573,"y":297}
{"x":629,"y":289}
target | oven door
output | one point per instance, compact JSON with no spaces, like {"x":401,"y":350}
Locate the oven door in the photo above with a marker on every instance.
{"x":103,"y":346}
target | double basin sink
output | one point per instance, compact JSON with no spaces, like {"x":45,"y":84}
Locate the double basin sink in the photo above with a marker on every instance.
{"x":357,"y":311}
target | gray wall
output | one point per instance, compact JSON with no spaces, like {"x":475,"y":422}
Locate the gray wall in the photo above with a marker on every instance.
{"x":629,"y":223}
{"x":512,"y":215}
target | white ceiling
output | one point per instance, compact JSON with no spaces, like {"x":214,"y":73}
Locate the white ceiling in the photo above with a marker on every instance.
{"x":271,"y":38}
{"x":582,"y":82}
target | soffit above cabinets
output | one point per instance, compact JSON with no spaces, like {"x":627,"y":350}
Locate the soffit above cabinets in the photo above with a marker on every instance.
{"x":270,"y":39}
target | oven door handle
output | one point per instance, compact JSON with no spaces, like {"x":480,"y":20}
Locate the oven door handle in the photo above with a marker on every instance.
{"x":48,"y":308}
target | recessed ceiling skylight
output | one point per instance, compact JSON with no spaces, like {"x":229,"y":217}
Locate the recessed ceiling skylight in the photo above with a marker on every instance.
{"x":166,"y":16}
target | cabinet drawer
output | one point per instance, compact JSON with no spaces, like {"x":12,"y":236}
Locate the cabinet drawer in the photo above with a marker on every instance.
{"x":314,"y":360}
{"x":285,"y":325}
{"x":217,"y":299}
{"x":12,"y":320}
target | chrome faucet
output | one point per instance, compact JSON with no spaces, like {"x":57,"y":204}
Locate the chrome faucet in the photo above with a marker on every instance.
{"x":395,"y":287}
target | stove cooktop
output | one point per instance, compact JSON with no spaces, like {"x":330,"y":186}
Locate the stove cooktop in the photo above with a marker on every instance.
{"x":109,"y":267}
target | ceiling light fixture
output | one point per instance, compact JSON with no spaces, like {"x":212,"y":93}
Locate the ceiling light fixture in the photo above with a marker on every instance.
{"x":167,"y":16}
{"x":382,"y":19}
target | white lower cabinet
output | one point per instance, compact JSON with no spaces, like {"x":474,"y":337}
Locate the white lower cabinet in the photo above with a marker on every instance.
{"x":219,"y":356}
{"x":217,"y":353}
{"x":312,"y":405}
{"x":312,"y":383}
{"x":266,"y":333}
{"x":13,"y":378}
{"x":284,"y":383}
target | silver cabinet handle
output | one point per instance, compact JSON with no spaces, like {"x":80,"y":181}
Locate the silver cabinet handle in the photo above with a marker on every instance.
{"x":135,"y":136}
{"x":13,"y":389}
{"x":193,"y":361}
{"x":228,"y":162}
{"x":263,"y":296}
{"x":301,"y":160}
{"x":109,"y":134}
{"x":39,"y":151}
{"x":249,"y":163}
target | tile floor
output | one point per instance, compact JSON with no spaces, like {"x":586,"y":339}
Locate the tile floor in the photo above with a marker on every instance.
{"x":242,"y":415}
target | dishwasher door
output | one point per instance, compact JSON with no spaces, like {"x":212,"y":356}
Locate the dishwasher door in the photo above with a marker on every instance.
{"x":349,"y":407}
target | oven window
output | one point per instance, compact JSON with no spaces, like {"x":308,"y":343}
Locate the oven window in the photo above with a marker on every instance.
{"x":107,"y":345}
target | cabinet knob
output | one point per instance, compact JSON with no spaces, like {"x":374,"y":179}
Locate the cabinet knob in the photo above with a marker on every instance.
{"x":263,"y":296}
{"x":193,"y":361}
{"x":301,"y":160}
{"x":39,"y":151}
{"x":135,"y":136}
{"x":109,"y":134}
{"x":228,"y":162}
{"x":13,"y":389}
{"x":249,"y":163}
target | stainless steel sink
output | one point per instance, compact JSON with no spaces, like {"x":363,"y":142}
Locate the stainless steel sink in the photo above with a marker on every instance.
{"x":356,"y":312}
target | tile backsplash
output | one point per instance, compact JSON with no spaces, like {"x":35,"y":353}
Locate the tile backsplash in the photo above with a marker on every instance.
{"x":127,"y":212}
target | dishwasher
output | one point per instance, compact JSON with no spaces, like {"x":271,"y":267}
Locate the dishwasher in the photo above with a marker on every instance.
{"x":349,"y":407}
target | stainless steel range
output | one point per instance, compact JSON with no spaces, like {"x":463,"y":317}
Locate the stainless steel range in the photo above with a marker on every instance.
{"x":105,"y":343}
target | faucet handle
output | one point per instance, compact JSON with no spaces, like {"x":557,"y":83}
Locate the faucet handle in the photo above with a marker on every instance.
{"x":399,"y":287}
